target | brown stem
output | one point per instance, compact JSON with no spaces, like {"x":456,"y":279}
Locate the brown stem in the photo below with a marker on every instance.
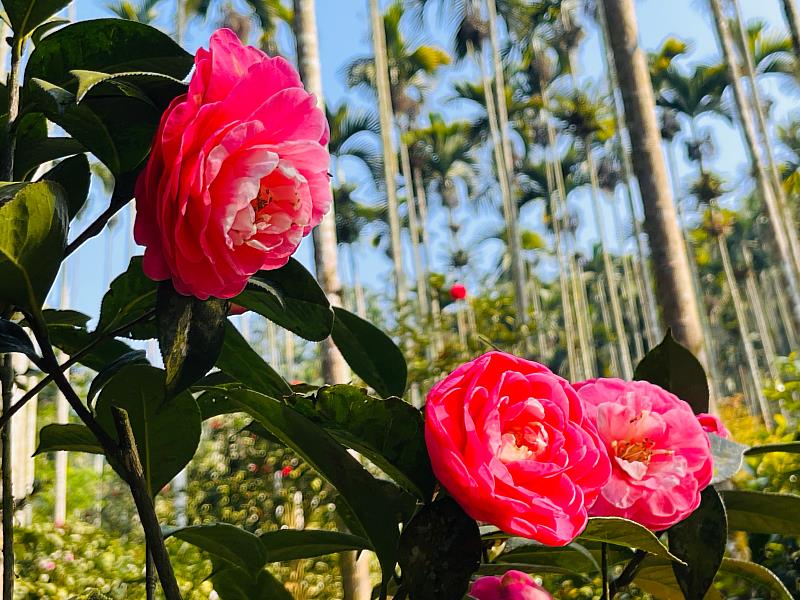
{"x":628,"y":573}
{"x":7,"y":377}
{"x":129,"y":458}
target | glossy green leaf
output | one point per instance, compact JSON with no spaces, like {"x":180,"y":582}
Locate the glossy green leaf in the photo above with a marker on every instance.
{"x":699,"y":540}
{"x":74,"y":175}
{"x":134,"y":357}
{"x":129,"y":297}
{"x":290,"y":297}
{"x":574,"y":558}
{"x":190,"y":335}
{"x":728,"y":457}
{"x":372,"y":354}
{"x":34,"y":152}
{"x":107,"y":46}
{"x":67,"y":436}
{"x":762,"y":512}
{"x":240,"y":361}
{"x":33,"y":234}
{"x":67,"y":331}
{"x":155,"y":88}
{"x":27,"y":15}
{"x":14,"y":339}
{"x":232,"y":544}
{"x":623,"y":532}
{"x":360,"y":491}
{"x":439,"y":551}
{"x":757,"y":574}
{"x":47,"y":27}
{"x":388,"y":432}
{"x":791,"y":447}
{"x":166,"y":433}
{"x":674,"y":368}
{"x":233,"y":583}
{"x":291,"y":544}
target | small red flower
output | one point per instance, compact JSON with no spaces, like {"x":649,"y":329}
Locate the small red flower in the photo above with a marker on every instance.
{"x":252,"y":467}
{"x":458,"y":291}
{"x":286,"y":471}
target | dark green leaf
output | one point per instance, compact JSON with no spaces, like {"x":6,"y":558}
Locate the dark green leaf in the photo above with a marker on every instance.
{"x":134,"y":357}
{"x":236,"y":546}
{"x":244,"y":364}
{"x":67,"y":436}
{"x":130,"y":296}
{"x":67,"y":331}
{"x":757,"y":574}
{"x":107,"y":46}
{"x":762,"y":512}
{"x":233,"y":583}
{"x":439,"y":551}
{"x":32,"y":153}
{"x":623,"y":532}
{"x":699,"y":540}
{"x":27,"y":15}
{"x":371,"y":354}
{"x":47,"y":27}
{"x":190,"y":335}
{"x":166,"y":433}
{"x":154,"y":88}
{"x":388,"y":432}
{"x":728,"y":457}
{"x":14,"y":339}
{"x":574,"y":558}
{"x":290,"y":544}
{"x":289,"y":297}
{"x":33,"y":234}
{"x":359,"y":490}
{"x":674,"y":368}
{"x":791,"y":447}
{"x":74,"y":176}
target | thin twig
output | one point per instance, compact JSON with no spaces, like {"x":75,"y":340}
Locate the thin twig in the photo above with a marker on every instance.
{"x":149,"y":574}
{"x":628,"y":573}
{"x":129,"y":458}
{"x":7,"y":377}
{"x":606,"y":595}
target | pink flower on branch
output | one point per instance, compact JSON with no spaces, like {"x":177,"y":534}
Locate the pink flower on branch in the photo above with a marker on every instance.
{"x":237,"y":175}
{"x":661,"y":457}
{"x":513,"y":585}
{"x":509,"y":441}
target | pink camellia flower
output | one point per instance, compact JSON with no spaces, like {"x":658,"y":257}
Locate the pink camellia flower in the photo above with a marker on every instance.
{"x":458,"y":291}
{"x":712,"y":424}
{"x":238,"y":173}
{"x":513,"y":585}
{"x":509,"y":441}
{"x":661,"y":457}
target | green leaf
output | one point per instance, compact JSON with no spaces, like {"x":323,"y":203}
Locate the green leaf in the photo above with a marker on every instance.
{"x":33,"y":234}
{"x":371,"y":354}
{"x":623,"y":532}
{"x":289,"y":297}
{"x":674,"y":368}
{"x":388,"y":432}
{"x":728,"y":457}
{"x":439,"y":551}
{"x":232,"y":544}
{"x":290,"y":544}
{"x":74,"y":175}
{"x":233,"y":583}
{"x":27,"y":15}
{"x":762,"y":512}
{"x":134,"y":357}
{"x":156,"y":89}
{"x":67,"y":332}
{"x":757,"y":574}
{"x":166,"y":433}
{"x":244,"y":364}
{"x":14,"y":339}
{"x":129,"y":297}
{"x":107,"y":46}
{"x":359,"y":491}
{"x":574,"y":558}
{"x":67,"y":436}
{"x":700,"y":540}
{"x":30,"y":153}
{"x":47,"y":27}
{"x":190,"y":335}
{"x":791,"y":447}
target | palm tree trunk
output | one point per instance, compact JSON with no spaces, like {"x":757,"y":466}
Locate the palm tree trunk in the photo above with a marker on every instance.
{"x":536,"y":301}
{"x":793,"y":20}
{"x":413,"y":230}
{"x":673,"y":281}
{"x":620,"y":333}
{"x":759,"y":315}
{"x":515,"y":250}
{"x":358,"y":289}
{"x":389,"y":156}
{"x":773,"y":277}
{"x":642,"y":274}
{"x":608,"y":325}
{"x":774,"y":210}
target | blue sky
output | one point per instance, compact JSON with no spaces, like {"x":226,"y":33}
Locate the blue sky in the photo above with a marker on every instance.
{"x":344,"y":34}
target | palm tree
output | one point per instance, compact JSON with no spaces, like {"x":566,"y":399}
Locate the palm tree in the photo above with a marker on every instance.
{"x":673,"y":279}
{"x":793,"y":20}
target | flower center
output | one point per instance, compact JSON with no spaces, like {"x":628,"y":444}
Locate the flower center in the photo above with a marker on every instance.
{"x":640,"y":451}
{"x":523,"y":444}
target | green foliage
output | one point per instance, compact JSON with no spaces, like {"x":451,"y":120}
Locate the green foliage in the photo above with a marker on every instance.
{"x":73,"y":174}
{"x":27,"y":15}
{"x":244,"y":364}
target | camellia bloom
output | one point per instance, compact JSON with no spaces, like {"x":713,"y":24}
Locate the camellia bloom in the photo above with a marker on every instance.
{"x":513,"y":585}
{"x":712,"y":424}
{"x":509,"y":441}
{"x":237,"y":175}
{"x":661,"y":457}
{"x":458,"y":291}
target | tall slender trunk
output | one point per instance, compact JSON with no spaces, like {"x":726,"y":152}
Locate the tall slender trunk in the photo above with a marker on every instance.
{"x":389,"y":155}
{"x":613,"y":352}
{"x":358,"y":289}
{"x":774,"y":210}
{"x":413,"y":230}
{"x":7,"y":389}
{"x":180,"y":20}
{"x":541,"y":336}
{"x":620,"y":334}
{"x":759,"y":315}
{"x":512,"y":225}
{"x":793,"y":21}
{"x":642,"y":273}
{"x":673,"y":281}
{"x":777,"y":288}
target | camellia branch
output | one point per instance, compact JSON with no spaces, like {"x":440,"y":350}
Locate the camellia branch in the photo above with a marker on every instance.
{"x":95,"y":228}
{"x":129,"y":459}
{"x":628,"y":573}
